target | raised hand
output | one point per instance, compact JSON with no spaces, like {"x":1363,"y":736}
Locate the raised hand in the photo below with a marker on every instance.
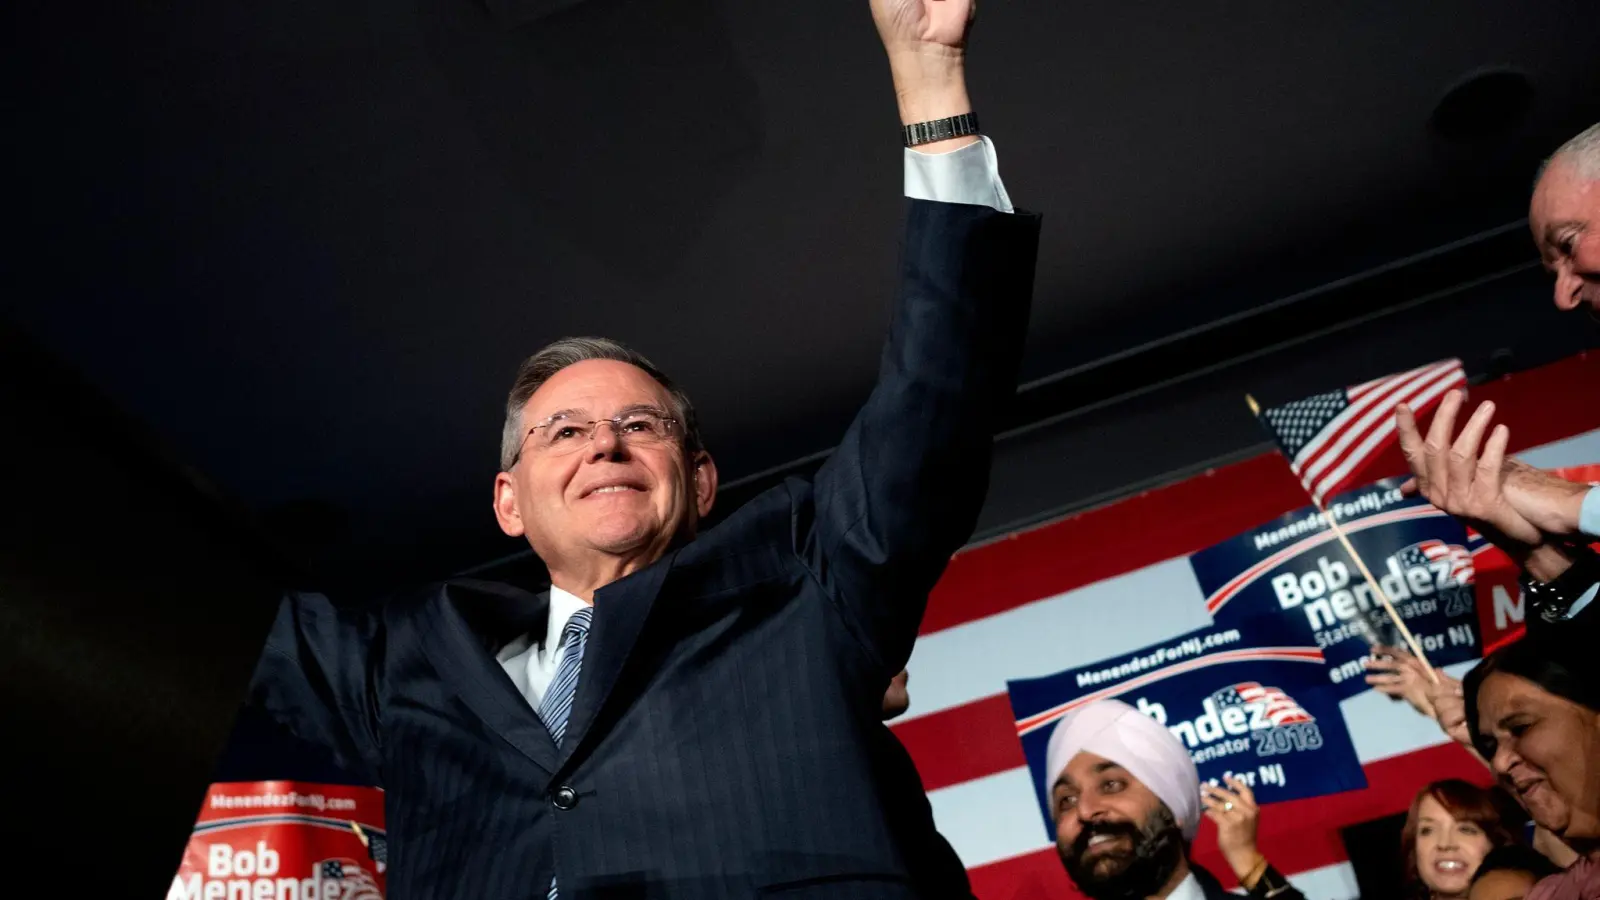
{"x":926,"y":41}
{"x":1463,"y":480}
{"x":924,"y":25}
{"x":1395,"y":672}
{"x":1552,"y":504}
{"x":1235,"y":811}
{"x":1450,"y":709}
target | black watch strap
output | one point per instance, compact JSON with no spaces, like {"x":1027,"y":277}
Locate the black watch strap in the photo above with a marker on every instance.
{"x":1550,"y":601}
{"x":940,"y":129}
{"x":1271,"y":884}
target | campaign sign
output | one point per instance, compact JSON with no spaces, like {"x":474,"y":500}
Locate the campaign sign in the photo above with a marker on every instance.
{"x":287,"y":841}
{"x":1249,"y":701}
{"x":1295,"y":569}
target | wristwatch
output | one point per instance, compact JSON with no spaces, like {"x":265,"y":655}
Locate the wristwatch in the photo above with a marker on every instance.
{"x":1270,"y":884}
{"x":940,"y":129}
{"x":1550,"y":600}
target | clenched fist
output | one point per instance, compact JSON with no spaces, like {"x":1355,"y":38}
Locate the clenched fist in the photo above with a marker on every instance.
{"x":940,"y":26}
{"x":927,"y":45}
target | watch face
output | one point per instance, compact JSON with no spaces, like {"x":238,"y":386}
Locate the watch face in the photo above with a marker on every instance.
{"x":1550,"y":612}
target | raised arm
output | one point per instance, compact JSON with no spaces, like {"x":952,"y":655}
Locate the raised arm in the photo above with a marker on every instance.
{"x":903,"y":490}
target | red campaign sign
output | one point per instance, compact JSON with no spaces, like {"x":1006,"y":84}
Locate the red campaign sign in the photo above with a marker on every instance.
{"x":1501,"y":608}
{"x":285,"y":840}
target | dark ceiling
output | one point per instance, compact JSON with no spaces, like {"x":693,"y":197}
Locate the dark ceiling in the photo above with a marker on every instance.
{"x":307,"y":243}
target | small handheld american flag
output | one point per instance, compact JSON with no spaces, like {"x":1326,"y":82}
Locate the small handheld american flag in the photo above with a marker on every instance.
{"x":1336,"y":441}
{"x":1333,"y":439}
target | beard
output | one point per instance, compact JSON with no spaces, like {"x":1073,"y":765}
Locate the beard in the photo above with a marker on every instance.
{"x":1157,"y":852}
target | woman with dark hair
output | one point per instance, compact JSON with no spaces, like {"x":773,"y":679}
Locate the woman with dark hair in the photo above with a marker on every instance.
{"x":1452,"y":825}
{"x":1507,"y":873}
{"x":1533,"y":710}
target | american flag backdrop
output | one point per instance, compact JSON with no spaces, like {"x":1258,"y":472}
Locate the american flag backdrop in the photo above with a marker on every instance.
{"x":1331,"y":438}
{"x":1117,"y":578}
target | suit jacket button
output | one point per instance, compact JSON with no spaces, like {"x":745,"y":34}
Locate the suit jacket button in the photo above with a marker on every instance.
{"x":564,"y":798}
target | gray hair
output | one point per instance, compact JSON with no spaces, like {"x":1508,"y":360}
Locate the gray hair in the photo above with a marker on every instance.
{"x":1583,"y":151}
{"x":555,"y":356}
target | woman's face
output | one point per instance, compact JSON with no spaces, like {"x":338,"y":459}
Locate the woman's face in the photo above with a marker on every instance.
{"x":1448,"y":850}
{"x":1546,"y":750}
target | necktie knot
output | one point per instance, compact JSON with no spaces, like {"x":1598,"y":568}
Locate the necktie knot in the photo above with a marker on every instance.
{"x":578,"y":625}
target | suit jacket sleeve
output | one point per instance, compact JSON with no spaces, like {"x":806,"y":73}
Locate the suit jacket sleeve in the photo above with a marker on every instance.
{"x":316,"y":678}
{"x":903,"y":490}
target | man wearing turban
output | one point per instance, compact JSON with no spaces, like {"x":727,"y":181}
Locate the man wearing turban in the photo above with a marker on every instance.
{"x":1126,"y":801}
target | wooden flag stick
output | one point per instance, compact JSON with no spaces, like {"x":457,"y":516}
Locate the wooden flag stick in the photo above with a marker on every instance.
{"x":1372,"y":583}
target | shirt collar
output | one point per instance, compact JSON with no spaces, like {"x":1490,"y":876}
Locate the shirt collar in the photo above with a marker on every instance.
{"x":562,"y":606}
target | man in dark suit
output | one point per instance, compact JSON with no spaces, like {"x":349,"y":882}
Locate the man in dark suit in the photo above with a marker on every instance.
{"x":683,"y":714}
{"x":939,"y":872}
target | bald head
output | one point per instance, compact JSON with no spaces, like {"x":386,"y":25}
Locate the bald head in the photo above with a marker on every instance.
{"x":1565,"y":218}
{"x":1582,"y":153}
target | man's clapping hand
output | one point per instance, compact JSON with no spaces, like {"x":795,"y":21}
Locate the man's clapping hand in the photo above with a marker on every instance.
{"x":1514,"y":505}
{"x":1551,"y":503}
{"x":1457,"y":477}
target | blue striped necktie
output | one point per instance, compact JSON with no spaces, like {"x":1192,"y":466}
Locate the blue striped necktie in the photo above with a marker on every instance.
{"x":556,"y":706}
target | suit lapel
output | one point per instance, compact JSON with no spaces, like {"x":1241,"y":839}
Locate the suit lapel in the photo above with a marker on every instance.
{"x":620,"y":611}
{"x":465,"y":625}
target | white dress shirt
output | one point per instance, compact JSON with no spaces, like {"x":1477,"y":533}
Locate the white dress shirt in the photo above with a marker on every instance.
{"x":969,"y":175}
{"x":532,"y":664}
{"x":1188,"y":889}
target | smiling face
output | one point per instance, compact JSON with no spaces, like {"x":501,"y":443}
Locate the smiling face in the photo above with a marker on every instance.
{"x":1115,"y":837}
{"x":615,"y":501}
{"x":1565,"y":218}
{"x":1546,"y":750}
{"x":1448,"y":849}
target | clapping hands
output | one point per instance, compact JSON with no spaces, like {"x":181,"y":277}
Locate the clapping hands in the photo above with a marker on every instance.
{"x":1516,"y":506}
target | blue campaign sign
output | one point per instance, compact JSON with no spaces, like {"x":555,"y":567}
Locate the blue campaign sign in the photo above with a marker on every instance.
{"x":1294,"y":569}
{"x":1249,"y":701}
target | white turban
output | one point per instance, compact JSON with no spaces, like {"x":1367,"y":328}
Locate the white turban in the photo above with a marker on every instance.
{"x":1136,"y":742}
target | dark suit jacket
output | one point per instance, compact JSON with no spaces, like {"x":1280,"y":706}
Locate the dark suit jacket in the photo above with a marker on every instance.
{"x":725,"y":738}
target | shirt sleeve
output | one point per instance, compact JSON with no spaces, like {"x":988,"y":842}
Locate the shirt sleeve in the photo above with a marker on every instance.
{"x":970,"y":175}
{"x":1583,"y":601}
{"x":1589,"y":515}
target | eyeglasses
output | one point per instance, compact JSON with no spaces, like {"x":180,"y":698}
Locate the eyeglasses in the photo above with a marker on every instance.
{"x":562,"y":434}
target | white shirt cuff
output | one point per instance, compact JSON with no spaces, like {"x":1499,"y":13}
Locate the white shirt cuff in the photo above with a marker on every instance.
{"x":970,"y":175}
{"x":1589,"y":524}
{"x":1583,"y":601}
{"x":1589,"y":514}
